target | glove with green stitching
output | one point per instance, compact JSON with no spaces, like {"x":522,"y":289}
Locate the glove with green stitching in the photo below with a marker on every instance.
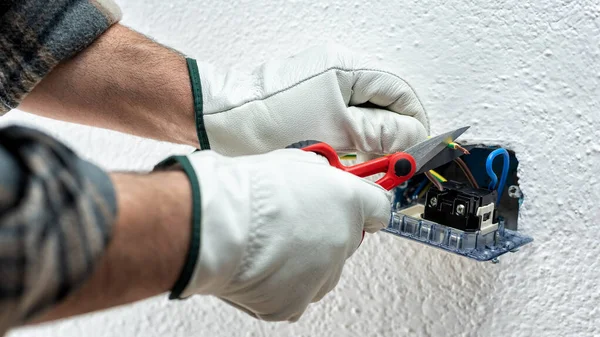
{"x":271,"y":232}
{"x":326,"y":93}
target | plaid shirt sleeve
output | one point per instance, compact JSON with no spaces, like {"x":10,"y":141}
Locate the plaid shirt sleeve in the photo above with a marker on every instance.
{"x":36,"y":35}
{"x":56,"y":216}
{"x":56,"y":210}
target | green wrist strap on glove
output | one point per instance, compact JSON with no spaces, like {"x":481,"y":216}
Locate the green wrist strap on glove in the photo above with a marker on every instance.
{"x":198,"y":103}
{"x":195,"y":239}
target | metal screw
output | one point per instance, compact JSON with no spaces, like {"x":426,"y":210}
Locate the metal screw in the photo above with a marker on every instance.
{"x":495,"y":260}
{"x":514,"y":192}
{"x":460,"y":209}
{"x":433,"y":201}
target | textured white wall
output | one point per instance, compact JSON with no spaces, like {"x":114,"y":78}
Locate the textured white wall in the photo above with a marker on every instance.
{"x":525,"y":71}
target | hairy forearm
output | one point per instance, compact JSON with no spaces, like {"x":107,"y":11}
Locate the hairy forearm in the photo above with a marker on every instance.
{"x":148,"y":248}
{"x":125,"y":82}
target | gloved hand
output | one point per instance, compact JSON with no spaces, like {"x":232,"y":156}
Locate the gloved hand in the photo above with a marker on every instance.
{"x":320,"y":94}
{"x":271,"y":232}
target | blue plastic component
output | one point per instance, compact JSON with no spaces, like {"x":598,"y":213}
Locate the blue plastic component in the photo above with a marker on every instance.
{"x":478,"y":245}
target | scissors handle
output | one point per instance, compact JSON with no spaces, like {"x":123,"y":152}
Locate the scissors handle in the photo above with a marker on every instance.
{"x":398,"y":167}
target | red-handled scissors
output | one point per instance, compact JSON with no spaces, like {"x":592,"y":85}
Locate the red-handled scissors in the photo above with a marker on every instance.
{"x":398,"y":167}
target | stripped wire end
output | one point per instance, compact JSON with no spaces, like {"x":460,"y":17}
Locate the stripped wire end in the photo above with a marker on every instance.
{"x":456,"y":146}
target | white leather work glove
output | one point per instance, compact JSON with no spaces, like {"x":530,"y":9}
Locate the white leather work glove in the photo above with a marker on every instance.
{"x":271,"y":232}
{"x":321,"y":94}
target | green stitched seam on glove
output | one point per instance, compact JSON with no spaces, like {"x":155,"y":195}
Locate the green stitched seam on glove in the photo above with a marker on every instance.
{"x":195,"y":237}
{"x":198,"y":103}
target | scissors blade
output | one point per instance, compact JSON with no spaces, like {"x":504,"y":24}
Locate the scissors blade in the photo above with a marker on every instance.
{"x":427,"y":150}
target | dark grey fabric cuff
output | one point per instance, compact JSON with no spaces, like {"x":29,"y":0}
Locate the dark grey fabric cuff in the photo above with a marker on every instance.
{"x":36,"y":35}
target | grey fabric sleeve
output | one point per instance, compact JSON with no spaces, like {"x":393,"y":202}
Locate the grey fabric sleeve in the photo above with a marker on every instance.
{"x":36,"y":35}
{"x":56,"y":218}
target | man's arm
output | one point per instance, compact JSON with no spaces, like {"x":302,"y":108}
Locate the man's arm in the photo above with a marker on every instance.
{"x":64,"y":249}
{"x":69,"y":60}
{"x":56,"y":218}
{"x":157,"y":220}
{"x":118,"y":79}
{"x":123,"y":81}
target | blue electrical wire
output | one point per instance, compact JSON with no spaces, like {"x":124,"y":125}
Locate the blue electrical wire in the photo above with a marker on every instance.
{"x":419,"y":188}
{"x":492,"y":175}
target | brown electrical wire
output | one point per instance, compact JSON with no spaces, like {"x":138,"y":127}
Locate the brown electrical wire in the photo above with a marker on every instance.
{"x":434,"y":181}
{"x":462,"y":149}
{"x":463,"y":166}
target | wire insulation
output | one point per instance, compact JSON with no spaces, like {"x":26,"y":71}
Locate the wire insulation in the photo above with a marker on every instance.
{"x":420,"y":188}
{"x":438,"y":176}
{"x":465,"y":168}
{"x":492,"y":174}
{"x":424,"y":190}
{"x":456,"y":146}
{"x":434,"y":181}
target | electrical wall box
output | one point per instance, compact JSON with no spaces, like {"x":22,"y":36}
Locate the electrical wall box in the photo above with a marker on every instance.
{"x":462,"y":220}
